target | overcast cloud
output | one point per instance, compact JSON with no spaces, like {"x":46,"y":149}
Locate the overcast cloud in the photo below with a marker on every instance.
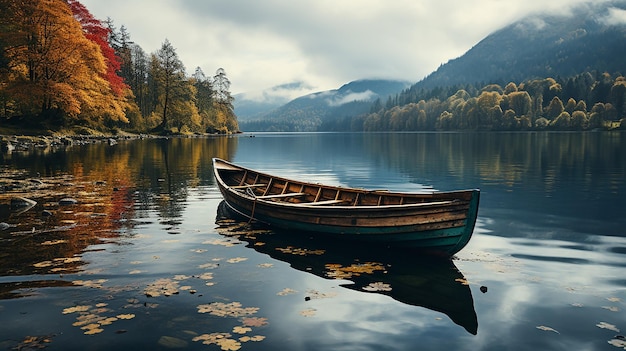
{"x":324,"y":43}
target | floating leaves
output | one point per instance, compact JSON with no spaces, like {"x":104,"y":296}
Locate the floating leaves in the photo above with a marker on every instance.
{"x":463,"y":281}
{"x":92,"y":320}
{"x":377,"y":286}
{"x":605,"y":325}
{"x":236,"y":259}
{"x":286,"y":291}
{"x":163,"y":286}
{"x":618,"y":341}
{"x":233,"y":309}
{"x":54,"y":242}
{"x":265,"y":265}
{"x":76,"y":309}
{"x":337,"y":271}
{"x":241,"y":330}
{"x":309,"y":312}
{"x":544,"y":328}
{"x":254,"y":321}
{"x":96,"y":283}
{"x":220,"y":339}
{"x":209,"y":266}
{"x":300,"y":251}
{"x":314,"y":295}
{"x":34,"y":343}
{"x":56,"y":262}
{"x":227,"y":242}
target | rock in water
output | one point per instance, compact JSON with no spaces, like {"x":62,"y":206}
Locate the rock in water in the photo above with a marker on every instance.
{"x":22,"y":202}
{"x":68,"y":201}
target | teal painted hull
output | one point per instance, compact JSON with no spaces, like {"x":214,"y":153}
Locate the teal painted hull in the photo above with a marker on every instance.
{"x":440,"y":222}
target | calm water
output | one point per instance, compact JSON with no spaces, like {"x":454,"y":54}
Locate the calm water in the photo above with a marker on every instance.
{"x":140,"y":263}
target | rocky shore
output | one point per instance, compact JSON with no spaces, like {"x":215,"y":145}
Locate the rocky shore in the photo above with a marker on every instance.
{"x":10,"y":143}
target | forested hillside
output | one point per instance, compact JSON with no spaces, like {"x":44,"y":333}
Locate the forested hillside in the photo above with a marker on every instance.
{"x":557,"y":72}
{"x":62,"y":68}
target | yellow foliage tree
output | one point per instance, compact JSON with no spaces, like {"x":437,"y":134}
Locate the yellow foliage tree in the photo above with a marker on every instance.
{"x":53,"y":68}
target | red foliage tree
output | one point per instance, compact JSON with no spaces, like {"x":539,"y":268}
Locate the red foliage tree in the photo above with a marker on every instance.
{"x":99,"y":34}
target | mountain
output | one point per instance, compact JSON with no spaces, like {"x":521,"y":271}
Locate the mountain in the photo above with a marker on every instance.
{"x":591,"y":37}
{"x":253,"y":105}
{"x":310,"y":112}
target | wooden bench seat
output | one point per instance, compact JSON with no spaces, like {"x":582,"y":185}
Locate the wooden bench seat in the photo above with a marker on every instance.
{"x":324,"y":202}
{"x":278,"y":196}
{"x":248,"y":186}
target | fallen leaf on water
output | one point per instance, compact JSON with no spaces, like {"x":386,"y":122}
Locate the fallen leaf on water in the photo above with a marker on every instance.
{"x":309,"y":312}
{"x":614,"y":299}
{"x":314,"y":294}
{"x":221,"y":339}
{"x":134,"y":271}
{"x":543,"y":327}
{"x":236,"y":259}
{"x":126,"y":316}
{"x":42,"y":264}
{"x":463,"y":281}
{"x":286,"y":291}
{"x":233,"y":309}
{"x":241,"y":330}
{"x":209,"y":266}
{"x":252,"y":338}
{"x":605,"y":325}
{"x":265,"y":265}
{"x":377,"y":286}
{"x":618,"y":343}
{"x":83,"y":308}
{"x":254,"y":321}
{"x":206,"y":276}
{"x":611,"y":308}
{"x":300,"y":251}
{"x":54,"y":242}
{"x":229,"y":344}
{"x":97,"y":283}
{"x":93,"y":331}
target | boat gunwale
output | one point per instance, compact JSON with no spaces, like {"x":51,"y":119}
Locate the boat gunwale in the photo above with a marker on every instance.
{"x":312,"y":205}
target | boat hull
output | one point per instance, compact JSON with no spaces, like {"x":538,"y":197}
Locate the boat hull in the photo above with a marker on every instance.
{"x":442,"y":226}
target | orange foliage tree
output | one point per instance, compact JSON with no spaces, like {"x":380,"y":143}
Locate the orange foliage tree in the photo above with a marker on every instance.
{"x":52,"y":68}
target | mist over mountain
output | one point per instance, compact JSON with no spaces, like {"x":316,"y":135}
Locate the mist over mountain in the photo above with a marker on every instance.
{"x":591,"y":38}
{"x":253,"y":105}
{"x":310,"y":112}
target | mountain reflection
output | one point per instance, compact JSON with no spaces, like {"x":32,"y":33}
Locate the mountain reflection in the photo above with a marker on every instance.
{"x":428,"y":282}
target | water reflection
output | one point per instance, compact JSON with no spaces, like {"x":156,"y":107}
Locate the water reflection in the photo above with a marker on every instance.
{"x":432,"y":283}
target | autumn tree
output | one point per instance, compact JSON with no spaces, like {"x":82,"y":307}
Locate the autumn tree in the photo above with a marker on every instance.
{"x":53,"y":68}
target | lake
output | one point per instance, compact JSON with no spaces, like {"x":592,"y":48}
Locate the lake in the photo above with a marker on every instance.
{"x":146,"y":257}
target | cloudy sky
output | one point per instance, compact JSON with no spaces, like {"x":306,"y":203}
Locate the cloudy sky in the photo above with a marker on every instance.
{"x":324,"y":43}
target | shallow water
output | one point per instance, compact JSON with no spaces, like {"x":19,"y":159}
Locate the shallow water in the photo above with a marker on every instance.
{"x":140,"y":262}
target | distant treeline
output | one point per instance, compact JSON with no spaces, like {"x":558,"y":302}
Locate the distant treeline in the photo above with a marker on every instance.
{"x":61,"y":67}
{"x":586,"y":101}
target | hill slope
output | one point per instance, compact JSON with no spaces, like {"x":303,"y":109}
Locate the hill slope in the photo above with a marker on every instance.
{"x":593,"y":37}
{"x":310,"y":112}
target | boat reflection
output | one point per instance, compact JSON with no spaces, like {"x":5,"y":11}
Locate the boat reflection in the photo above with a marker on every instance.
{"x":428,"y":282}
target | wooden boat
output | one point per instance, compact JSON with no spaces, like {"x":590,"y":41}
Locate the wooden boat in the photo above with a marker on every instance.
{"x":436,"y":222}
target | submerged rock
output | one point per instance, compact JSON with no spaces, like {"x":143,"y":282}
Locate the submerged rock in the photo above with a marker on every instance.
{"x":68,"y":201}
{"x":18,"y":203}
{"x":171,"y":342}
